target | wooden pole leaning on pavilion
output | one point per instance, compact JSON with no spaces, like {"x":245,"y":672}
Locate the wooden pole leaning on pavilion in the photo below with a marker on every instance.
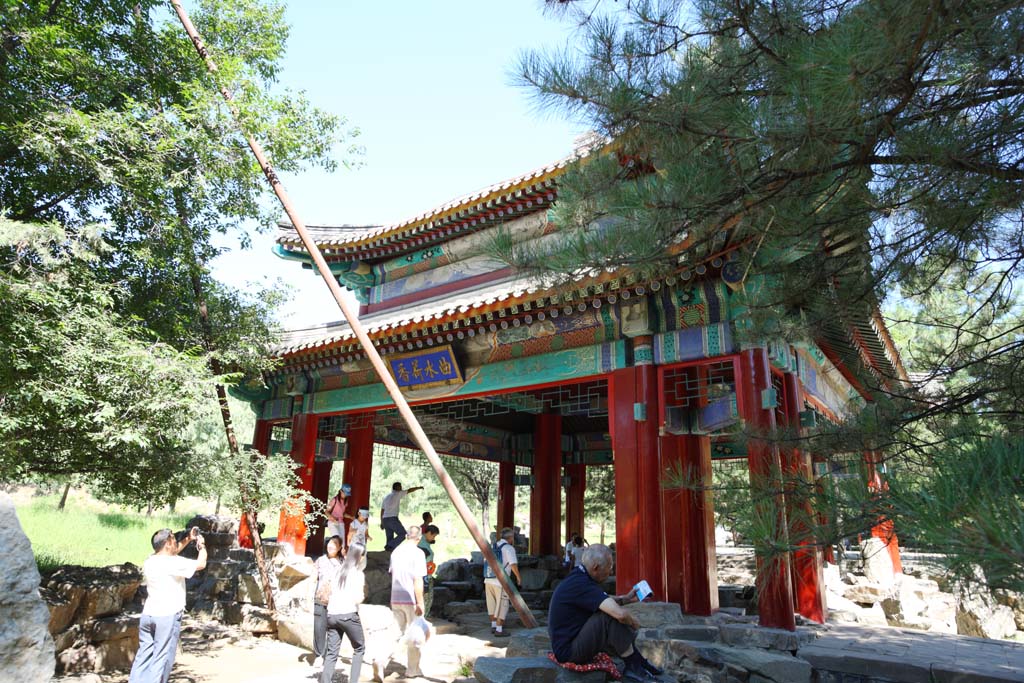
{"x":371,"y":351}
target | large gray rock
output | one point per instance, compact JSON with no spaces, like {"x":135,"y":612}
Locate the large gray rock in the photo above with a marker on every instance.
{"x":775,"y":667}
{"x":26,"y":646}
{"x":97,"y":591}
{"x":533,"y":642}
{"x":295,"y":570}
{"x":535,"y":579}
{"x":876,"y":563}
{"x":295,"y":628}
{"x":867,"y":593}
{"x":529,"y":670}
{"x":656,"y":614}
{"x":1015,"y":601}
{"x":978,"y":614}
{"x":452,"y":570}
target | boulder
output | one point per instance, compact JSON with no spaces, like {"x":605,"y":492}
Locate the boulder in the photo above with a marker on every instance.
{"x":295,"y":628}
{"x":452,"y":570}
{"x":378,"y":586}
{"x":656,"y":614}
{"x":254,"y":619}
{"x":529,"y":670}
{"x":1015,"y":601}
{"x":535,"y":579}
{"x":98,"y":657}
{"x":250,"y":588}
{"x":978,"y":614}
{"x":299,"y":597}
{"x":775,"y":667}
{"x":26,"y":646}
{"x":442,"y":596}
{"x":100,"y":591}
{"x":529,"y":643}
{"x":214,"y":524}
{"x":295,"y":570}
{"x":62,"y":608}
{"x":876,"y":563}
{"x":867,"y":593}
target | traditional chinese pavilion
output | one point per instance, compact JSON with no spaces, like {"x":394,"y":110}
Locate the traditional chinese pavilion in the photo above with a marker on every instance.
{"x":642,"y":375}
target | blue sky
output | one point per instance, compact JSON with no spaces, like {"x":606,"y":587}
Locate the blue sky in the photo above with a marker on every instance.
{"x":429,"y":86}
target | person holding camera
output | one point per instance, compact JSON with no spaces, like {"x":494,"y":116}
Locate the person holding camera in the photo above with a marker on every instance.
{"x":160,"y":624}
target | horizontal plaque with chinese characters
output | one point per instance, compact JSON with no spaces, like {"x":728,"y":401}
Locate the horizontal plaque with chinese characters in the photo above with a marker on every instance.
{"x":421,"y":369}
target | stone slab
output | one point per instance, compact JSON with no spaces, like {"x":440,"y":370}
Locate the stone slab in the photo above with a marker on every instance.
{"x":529,"y":670}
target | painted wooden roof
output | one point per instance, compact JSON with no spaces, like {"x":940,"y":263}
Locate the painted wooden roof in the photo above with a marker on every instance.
{"x":524,"y":193}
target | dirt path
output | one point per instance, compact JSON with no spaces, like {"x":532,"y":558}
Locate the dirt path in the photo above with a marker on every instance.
{"x":211,"y":653}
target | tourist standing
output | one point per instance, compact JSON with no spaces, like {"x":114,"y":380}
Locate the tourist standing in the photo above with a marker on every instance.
{"x":389,"y":521}
{"x":428,"y":519}
{"x":408,"y":567}
{"x":337,"y":513}
{"x":343,"y":614}
{"x":576,"y":548}
{"x":359,"y":529}
{"x":426,"y":545}
{"x":327,"y":567}
{"x":160,"y":623}
{"x":497,"y":598}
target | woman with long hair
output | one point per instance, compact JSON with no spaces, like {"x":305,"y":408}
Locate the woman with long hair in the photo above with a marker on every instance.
{"x":343,"y":613}
{"x":327,"y":567}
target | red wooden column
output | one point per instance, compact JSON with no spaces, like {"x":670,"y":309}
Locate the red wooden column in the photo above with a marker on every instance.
{"x":807,"y":568}
{"x":577,"y":474}
{"x":885,"y":529}
{"x":774,"y":581}
{"x":292,"y":528}
{"x":546,"y":499}
{"x":359,"y":460}
{"x":633,"y":394}
{"x":690,"y":558}
{"x":506,"y":495}
{"x":261,"y":444}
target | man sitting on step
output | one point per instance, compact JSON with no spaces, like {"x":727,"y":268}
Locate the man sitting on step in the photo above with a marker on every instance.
{"x":583,"y":620}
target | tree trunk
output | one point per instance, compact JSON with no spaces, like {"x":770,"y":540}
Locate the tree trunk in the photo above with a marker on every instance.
{"x":149,"y":509}
{"x":484,"y":516}
{"x":170,"y":506}
{"x":603,"y":520}
{"x":216,"y":510}
{"x":64,"y":497}
{"x":225,"y":413}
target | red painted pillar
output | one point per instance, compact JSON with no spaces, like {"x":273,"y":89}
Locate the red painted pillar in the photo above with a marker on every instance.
{"x":690,"y":558}
{"x":322,"y":492}
{"x":292,"y":527}
{"x":546,"y":499}
{"x":574,"y":521}
{"x":774,"y":581}
{"x":638,"y":523}
{"x":807,"y":568}
{"x":261,"y":444}
{"x":359,"y":461}
{"x":885,"y":529}
{"x":506,"y":495}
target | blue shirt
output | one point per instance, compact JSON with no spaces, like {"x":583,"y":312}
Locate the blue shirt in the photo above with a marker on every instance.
{"x":577,"y":597}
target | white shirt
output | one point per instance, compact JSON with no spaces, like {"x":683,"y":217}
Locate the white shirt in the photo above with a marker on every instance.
{"x":165,"y":582}
{"x":345,"y":599}
{"x":408,"y":563}
{"x":392,"y":502}
{"x":360,"y":529}
{"x":507,"y":558}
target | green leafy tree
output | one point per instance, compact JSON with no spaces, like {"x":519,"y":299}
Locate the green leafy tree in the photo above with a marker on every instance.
{"x":83,"y":390}
{"x":841,"y":155}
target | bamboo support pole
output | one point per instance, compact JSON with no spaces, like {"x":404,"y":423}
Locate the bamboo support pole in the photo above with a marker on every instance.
{"x":371,"y":351}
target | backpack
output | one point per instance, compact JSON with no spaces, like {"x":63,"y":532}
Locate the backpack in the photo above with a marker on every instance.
{"x":488,"y":572}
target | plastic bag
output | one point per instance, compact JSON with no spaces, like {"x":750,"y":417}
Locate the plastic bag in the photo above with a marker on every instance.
{"x":418,"y":632}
